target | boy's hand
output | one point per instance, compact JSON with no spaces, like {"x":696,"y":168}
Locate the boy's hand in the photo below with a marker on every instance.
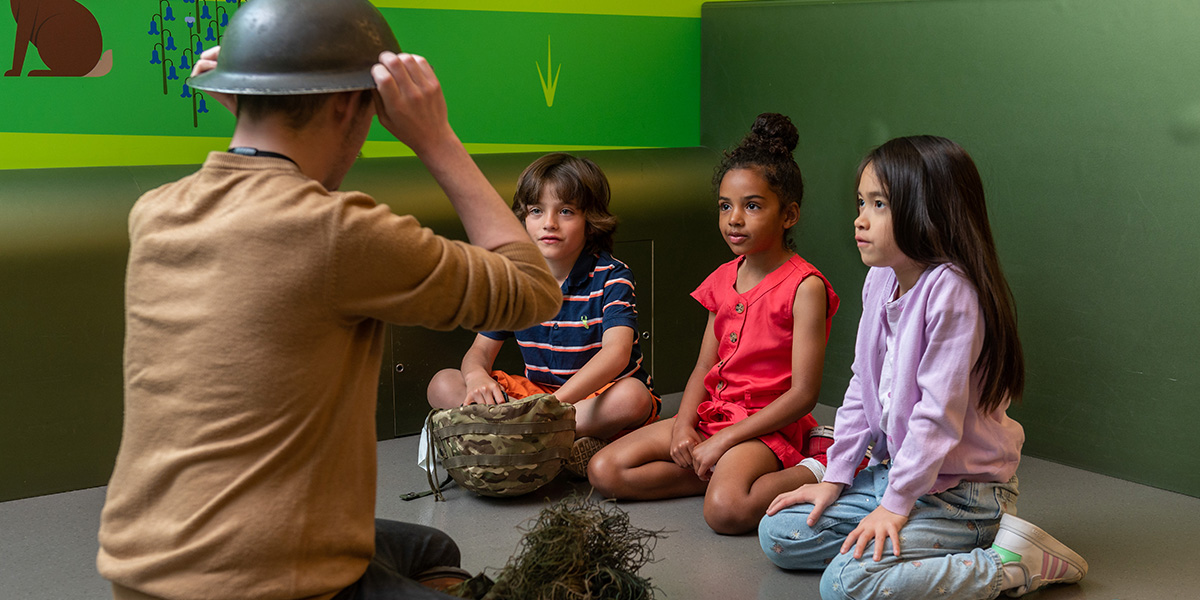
{"x":820,"y":495}
{"x":409,"y":101}
{"x":483,"y":390}
{"x":683,"y":439}
{"x":208,"y":62}
{"x":880,"y":525}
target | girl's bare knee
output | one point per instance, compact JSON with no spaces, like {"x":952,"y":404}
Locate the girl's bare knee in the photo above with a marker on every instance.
{"x":726,"y":512}
{"x":604,"y":474}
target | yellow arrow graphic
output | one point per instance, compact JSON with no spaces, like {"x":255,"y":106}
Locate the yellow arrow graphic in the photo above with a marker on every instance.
{"x":548,"y":87}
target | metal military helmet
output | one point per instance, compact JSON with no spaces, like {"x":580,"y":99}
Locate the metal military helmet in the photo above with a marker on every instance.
{"x":286,"y":47}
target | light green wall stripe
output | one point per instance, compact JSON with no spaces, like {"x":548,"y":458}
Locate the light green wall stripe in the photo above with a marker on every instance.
{"x":52,"y":150}
{"x":386,"y":149}
{"x":633,"y":8}
{"x":629,"y":8}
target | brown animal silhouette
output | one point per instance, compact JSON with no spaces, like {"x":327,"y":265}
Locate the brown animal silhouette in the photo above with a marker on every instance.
{"x":66,"y":35}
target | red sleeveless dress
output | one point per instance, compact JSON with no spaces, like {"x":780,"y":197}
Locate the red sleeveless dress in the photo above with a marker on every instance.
{"x":754,"y":353}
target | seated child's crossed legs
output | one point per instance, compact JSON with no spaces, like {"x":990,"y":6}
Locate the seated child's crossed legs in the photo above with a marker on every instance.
{"x":743,"y":483}
{"x":447,"y":389}
{"x":625,"y":404}
{"x":943,"y":545}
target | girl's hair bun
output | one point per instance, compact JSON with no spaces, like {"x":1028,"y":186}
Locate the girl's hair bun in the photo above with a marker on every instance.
{"x":768,"y":148}
{"x":773,"y":133}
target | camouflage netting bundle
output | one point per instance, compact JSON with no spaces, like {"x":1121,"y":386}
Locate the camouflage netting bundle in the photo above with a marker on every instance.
{"x":575,"y":549}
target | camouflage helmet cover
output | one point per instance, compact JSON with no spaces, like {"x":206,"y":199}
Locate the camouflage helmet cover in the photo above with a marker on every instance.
{"x":286,"y":47}
{"x":504,"y":449}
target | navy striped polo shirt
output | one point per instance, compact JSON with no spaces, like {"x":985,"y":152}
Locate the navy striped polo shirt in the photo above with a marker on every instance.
{"x":597,"y":295}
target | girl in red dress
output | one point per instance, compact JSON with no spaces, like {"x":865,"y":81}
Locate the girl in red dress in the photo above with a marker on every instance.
{"x":742,"y":433}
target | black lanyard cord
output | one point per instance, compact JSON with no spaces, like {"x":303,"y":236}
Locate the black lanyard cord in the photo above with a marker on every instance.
{"x":247,"y":151}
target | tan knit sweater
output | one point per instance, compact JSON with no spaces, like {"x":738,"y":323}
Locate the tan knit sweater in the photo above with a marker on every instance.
{"x":255,"y":311}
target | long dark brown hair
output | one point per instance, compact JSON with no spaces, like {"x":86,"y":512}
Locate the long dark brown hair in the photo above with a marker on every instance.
{"x":939,"y":216}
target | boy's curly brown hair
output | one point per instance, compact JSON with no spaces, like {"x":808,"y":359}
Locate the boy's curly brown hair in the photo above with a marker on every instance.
{"x":578,"y":182}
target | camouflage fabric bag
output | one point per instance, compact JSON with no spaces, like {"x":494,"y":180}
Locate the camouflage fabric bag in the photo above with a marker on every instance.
{"x":503,"y":449}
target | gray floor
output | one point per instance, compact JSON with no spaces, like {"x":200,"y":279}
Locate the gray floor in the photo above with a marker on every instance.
{"x":1137,"y":539}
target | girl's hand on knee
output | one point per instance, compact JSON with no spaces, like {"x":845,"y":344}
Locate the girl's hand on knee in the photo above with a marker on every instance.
{"x":881,"y":525}
{"x":683,"y":440}
{"x":820,"y":495}
{"x":706,"y":454}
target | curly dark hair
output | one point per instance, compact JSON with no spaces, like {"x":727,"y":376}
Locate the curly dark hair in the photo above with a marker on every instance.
{"x":768,"y":149}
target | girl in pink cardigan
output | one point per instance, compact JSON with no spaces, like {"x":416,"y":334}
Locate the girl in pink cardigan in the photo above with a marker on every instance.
{"x":936,"y":363}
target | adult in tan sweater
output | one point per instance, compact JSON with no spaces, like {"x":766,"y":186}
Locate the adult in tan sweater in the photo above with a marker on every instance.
{"x":256,"y":301}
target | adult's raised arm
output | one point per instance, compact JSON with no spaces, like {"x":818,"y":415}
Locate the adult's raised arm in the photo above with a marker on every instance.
{"x":411,"y":106}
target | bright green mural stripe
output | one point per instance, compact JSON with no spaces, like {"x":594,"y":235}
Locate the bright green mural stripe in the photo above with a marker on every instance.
{"x":632,"y":8}
{"x":51,"y":150}
{"x":384,"y":149}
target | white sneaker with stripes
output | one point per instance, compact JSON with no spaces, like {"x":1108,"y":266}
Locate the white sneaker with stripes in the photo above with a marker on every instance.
{"x":1044,"y":559}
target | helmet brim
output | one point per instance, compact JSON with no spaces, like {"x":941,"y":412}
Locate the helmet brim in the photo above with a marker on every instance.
{"x":281,"y":84}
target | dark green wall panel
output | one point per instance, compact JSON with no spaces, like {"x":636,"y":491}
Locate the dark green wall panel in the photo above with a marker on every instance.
{"x":1084,"y":117}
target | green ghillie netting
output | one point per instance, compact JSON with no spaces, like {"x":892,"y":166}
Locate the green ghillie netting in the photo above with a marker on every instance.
{"x":575,"y":549}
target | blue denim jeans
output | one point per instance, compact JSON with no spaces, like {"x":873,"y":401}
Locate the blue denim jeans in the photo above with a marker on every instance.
{"x":944,"y":548}
{"x":402,"y":551}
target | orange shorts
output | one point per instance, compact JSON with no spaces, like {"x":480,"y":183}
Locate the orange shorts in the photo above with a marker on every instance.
{"x":518,"y":387}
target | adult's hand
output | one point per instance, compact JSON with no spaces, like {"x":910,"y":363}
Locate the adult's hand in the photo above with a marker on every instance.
{"x":208,"y":62}
{"x":409,"y":101}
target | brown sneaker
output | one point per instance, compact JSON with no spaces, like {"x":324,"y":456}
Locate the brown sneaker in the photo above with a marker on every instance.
{"x":442,"y":578}
{"x":582,"y":452}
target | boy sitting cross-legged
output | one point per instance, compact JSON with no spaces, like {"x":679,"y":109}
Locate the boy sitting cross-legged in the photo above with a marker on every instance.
{"x":588,"y":355}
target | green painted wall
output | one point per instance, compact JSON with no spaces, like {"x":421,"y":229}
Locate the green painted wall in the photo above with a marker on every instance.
{"x":1084,"y":117}
{"x":627,"y":75}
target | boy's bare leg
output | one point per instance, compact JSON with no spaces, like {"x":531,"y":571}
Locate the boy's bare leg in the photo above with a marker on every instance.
{"x":624,"y":405}
{"x":639,"y":467}
{"x":447,"y":389}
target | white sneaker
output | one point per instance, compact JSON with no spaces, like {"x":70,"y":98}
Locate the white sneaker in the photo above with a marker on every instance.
{"x":1044,"y":559}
